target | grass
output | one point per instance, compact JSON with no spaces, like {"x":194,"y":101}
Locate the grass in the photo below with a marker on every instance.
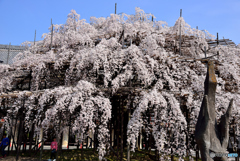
{"x":90,"y":155}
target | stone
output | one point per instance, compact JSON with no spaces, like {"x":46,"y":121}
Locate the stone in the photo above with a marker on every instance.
{"x":210,"y":136}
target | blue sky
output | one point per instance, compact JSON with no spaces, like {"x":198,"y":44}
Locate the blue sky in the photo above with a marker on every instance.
{"x":20,"y":18}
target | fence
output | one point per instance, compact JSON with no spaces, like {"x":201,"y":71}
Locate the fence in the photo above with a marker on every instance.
{"x":8,"y":52}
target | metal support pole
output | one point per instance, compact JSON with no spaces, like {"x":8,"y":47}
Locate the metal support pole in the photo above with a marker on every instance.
{"x":8,"y":52}
{"x":115,"y":8}
{"x":217,"y":39}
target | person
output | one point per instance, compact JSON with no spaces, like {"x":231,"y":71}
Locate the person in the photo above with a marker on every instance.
{"x":54,"y":147}
{"x":3,"y":145}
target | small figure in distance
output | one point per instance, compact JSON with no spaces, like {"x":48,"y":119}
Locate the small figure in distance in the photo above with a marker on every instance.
{"x":3,"y":145}
{"x":54,"y":147}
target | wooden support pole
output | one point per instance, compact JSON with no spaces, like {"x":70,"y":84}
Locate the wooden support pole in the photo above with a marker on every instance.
{"x":25,"y":140}
{"x":123,"y":38}
{"x":14,"y":135}
{"x":187,"y":139}
{"x":128,"y":145}
{"x":19,"y":140}
{"x":122,"y":116}
{"x":149,"y":139}
{"x":59,"y":141}
{"x":10,"y":135}
{"x":51,"y":34}
{"x":110,"y":127}
{"x":87,"y":143}
{"x":20,"y":129}
{"x":145,"y":142}
{"x":69,"y":131}
{"x":35,"y":37}
{"x":8,"y":52}
{"x":234,"y":137}
{"x":82,"y":158}
{"x":31,"y":138}
{"x":197,"y":154}
{"x":180,"y":36}
{"x":41,"y":150}
{"x":118,"y":129}
{"x":138,"y":140}
{"x":205,"y":51}
{"x":217,"y":39}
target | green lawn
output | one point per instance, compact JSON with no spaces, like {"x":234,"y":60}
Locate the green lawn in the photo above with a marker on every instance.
{"x":89,"y":154}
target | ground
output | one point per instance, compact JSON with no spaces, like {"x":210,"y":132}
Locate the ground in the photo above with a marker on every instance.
{"x":88,"y":154}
